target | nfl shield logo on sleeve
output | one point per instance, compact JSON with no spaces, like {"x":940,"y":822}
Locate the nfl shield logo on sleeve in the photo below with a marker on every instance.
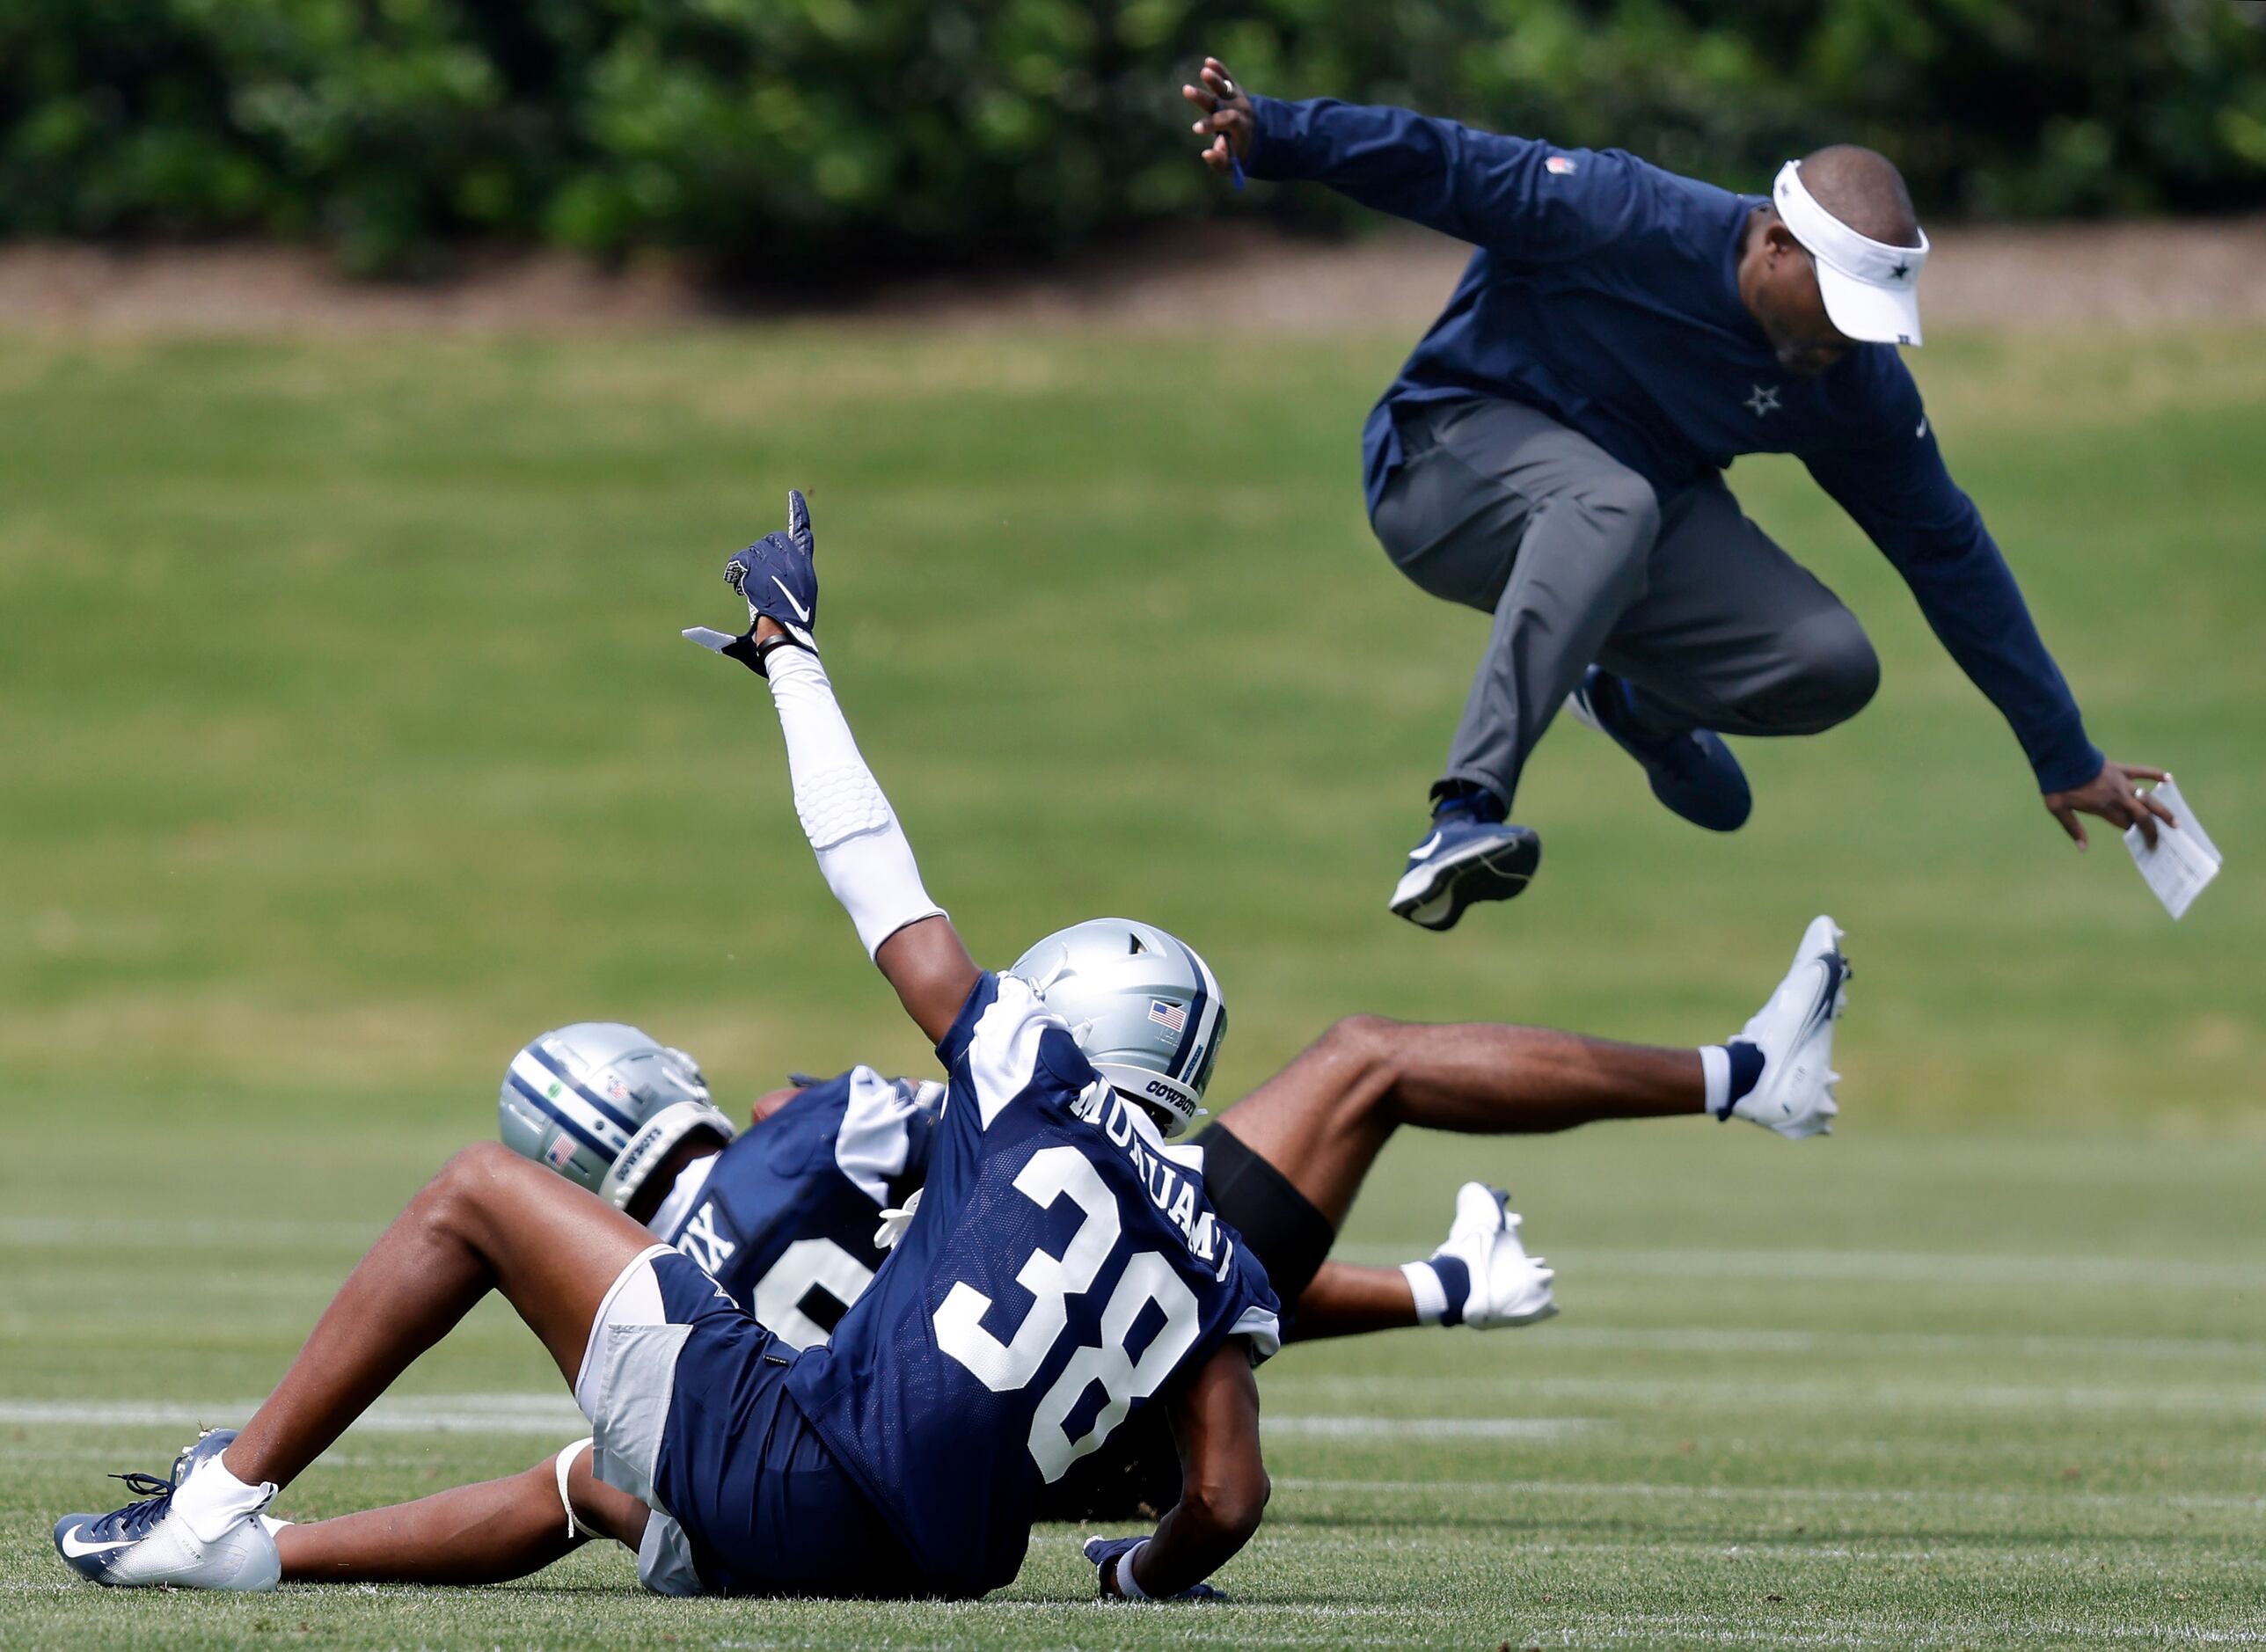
{"x":1559,"y":165}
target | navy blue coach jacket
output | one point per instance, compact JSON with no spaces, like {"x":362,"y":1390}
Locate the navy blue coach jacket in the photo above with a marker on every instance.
{"x":1604,"y":294}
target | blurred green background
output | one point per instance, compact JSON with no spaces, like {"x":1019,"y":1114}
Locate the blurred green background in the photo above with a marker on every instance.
{"x":822,"y":139}
{"x":350,"y":742}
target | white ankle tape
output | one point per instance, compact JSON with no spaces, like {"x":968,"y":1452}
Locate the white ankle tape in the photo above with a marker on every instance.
{"x":1715,"y":1066}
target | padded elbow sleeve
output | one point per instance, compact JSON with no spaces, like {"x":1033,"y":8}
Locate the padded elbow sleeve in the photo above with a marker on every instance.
{"x":861,"y":849}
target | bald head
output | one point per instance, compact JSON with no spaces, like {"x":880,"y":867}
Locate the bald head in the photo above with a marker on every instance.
{"x":1862,"y":188}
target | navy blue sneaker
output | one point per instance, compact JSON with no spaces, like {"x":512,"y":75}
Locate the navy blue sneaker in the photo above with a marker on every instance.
{"x":147,"y":1543}
{"x":1463,"y":860}
{"x":1694,"y":773}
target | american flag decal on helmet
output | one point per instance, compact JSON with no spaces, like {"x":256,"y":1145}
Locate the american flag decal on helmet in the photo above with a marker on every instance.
{"x":1171,"y":1017}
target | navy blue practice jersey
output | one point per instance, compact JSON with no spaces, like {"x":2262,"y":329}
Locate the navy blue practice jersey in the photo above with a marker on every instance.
{"x":1063,"y":1266}
{"x":784,"y":1217}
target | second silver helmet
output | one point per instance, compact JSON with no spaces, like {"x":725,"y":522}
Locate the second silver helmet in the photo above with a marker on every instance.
{"x":600,"y":1102}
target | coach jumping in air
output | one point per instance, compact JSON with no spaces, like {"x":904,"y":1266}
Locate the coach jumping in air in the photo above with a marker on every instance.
{"x":1553,"y":454}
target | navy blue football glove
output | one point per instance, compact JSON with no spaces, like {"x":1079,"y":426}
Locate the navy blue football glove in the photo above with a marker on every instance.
{"x":777,"y":579}
{"x":1107,"y":1553}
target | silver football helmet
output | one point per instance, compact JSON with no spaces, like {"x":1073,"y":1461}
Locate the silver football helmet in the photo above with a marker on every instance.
{"x":1142,"y":1004}
{"x":602,"y":1104}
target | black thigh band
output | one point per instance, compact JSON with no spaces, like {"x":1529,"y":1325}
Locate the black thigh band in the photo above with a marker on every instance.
{"x":1276,"y":1221}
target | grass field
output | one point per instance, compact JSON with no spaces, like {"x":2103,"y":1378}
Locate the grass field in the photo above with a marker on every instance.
{"x":348,"y":742}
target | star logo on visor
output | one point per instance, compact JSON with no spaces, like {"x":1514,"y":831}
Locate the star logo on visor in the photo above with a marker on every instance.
{"x":1763,"y":401}
{"x":1902,"y":270}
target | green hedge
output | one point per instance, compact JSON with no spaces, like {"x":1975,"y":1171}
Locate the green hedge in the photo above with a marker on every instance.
{"x":805,"y":137}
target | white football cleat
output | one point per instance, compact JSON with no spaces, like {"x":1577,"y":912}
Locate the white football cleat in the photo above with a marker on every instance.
{"x":1794,"y":1032}
{"x":155,"y":1541}
{"x":1507,"y":1287}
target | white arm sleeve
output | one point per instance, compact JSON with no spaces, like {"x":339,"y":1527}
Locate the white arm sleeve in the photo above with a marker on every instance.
{"x":861,"y":849}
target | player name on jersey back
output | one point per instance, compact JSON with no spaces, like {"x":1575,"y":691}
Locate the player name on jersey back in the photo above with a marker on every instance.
{"x":1171,"y":1186}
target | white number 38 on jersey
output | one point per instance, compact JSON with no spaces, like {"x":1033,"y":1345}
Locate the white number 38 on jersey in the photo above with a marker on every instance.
{"x":1054,"y":1173}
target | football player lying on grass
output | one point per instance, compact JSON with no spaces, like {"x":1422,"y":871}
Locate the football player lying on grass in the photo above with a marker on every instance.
{"x":788,"y":1215}
{"x":1339,"y":1101}
{"x":1061,"y":1273}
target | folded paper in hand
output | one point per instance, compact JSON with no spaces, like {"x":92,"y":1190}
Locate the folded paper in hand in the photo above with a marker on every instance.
{"x":2184,"y":859}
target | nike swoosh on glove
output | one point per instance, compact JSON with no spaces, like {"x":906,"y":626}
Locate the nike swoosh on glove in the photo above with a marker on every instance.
{"x":1102,"y":1551}
{"x":777,"y":579}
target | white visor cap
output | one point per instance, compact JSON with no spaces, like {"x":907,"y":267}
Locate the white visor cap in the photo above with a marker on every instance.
{"x":1871,"y":289}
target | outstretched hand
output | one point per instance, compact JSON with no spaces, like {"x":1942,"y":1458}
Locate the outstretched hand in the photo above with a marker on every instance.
{"x":1227,"y":122}
{"x":2111,"y":795}
{"x":777,"y":579}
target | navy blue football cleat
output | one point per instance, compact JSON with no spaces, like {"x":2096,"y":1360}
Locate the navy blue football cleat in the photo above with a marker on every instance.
{"x":1694,"y":773}
{"x":148,"y":1542}
{"x":1463,"y":860}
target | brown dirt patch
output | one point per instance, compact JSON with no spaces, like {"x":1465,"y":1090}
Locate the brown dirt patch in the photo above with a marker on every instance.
{"x":1242,"y":277}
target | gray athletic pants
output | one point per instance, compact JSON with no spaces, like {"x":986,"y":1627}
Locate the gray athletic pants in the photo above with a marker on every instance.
{"x":1503,"y":510}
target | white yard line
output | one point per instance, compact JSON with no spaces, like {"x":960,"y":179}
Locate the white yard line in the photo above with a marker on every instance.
{"x":1788,"y":1494}
{"x":1953,"y":1392}
{"x":552,"y":1416}
{"x":1741,"y":1340}
{"x":1427,"y":1427}
{"x":555,"y":1416}
{"x":2159,"y":1273}
{"x":2140,"y":1553}
{"x":537,"y":1413}
{"x":1885,"y":1268}
{"x":31,"y":1232}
